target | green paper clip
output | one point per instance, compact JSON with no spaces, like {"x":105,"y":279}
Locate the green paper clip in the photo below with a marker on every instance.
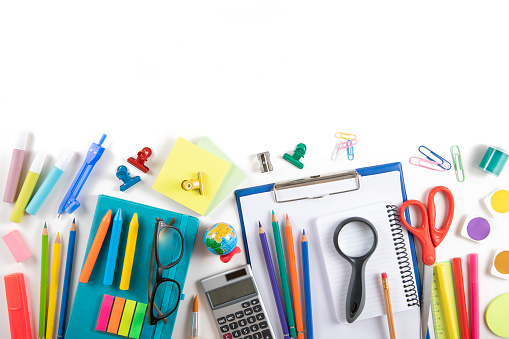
{"x":458,"y":164}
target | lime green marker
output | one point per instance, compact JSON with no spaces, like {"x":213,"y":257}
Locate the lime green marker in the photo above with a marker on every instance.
{"x":28,"y":187}
{"x":284,"y":278}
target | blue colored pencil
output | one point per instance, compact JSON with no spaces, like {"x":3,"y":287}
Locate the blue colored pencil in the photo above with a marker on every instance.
{"x":111,"y":260}
{"x":273,"y":281}
{"x":307,"y":285}
{"x":67,"y":281}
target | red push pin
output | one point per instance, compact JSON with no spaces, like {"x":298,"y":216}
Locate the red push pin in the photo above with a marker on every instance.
{"x":139,"y":162}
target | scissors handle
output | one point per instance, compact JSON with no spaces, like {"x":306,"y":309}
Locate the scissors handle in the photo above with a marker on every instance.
{"x":422,"y":233}
{"x":437,"y":235}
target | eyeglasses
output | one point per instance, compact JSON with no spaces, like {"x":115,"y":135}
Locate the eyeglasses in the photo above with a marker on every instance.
{"x":167,"y":251}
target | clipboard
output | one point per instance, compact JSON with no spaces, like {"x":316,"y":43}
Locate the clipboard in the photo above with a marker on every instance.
{"x":321,"y":195}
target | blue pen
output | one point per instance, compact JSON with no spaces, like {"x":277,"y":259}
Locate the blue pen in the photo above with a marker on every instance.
{"x":111,"y":260}
{"x":48,"y":183}
{"x":307,"y":285}
{"x":70,"y":202}
{"x":67,"y":281}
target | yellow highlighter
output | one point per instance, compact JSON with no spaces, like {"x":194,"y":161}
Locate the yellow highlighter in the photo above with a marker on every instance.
{"x":28,"y":187}
{"x":446,"y":292}
{"x":129,"y":253}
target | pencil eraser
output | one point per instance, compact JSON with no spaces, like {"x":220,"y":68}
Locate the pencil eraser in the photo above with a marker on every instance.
{"x":17,"y":246}
{"x":476,"y":228}
{"x":498,"y":202}
{"x":500,"y":265}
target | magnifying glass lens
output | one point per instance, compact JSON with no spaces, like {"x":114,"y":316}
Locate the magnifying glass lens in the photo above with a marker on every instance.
{"x":356,"y":239}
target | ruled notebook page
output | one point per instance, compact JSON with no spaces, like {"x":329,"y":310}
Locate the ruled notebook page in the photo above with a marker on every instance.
{"x":383,"y":259}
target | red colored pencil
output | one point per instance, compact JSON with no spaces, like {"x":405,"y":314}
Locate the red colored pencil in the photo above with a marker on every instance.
{"x":460,"y":297}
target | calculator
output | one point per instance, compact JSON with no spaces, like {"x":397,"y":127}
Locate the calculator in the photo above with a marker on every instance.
{"x":237,"y":305}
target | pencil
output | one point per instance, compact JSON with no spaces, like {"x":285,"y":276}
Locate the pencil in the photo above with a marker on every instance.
{"x":44,"y":283}
{"x":474,"y":295}
{"x":86,"y":271}
{"x":292,"y":266}
{"x":307,"y":285}
{"x":388,"y":306}
{"x":53,"y":288}
{"x":67,"y":280}
{"x":194,"y":324}
{"x":283,"y":275}
{"x":273,"y":280}
{"x":459,"y":288}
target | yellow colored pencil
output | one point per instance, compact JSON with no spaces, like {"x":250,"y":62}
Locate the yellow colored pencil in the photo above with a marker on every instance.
{"x":129,"y":253}
{"x":53,"y":288}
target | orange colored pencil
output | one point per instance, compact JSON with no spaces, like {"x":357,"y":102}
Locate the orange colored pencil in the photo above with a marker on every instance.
{"x":293,"y":278}
{"x":86,"y":271}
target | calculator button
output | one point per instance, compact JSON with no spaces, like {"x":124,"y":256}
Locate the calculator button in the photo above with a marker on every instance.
{"x":266,"y":334}
{"x":260,"y":316}
{"x":242,"y":322}
{"x":236,"y":334}
{"x":255,"y":302}
{"x":254,"y":327}
{"x":257,"y":308}
{"x":239,"y":314}
{"x":228,"y":336}
{"x":248,"y":311}
{"x":257,"y":335}
{"x":245,"y":330}
{"x":230,"y":317}
{"x":263,"y":325}
{"x":224,"y":328}
{"x":221,"y":320}
{"x":246,"y":304}
{"x":249,"y":337}
{"x":251,"y":320}
{"x":234,"y":326}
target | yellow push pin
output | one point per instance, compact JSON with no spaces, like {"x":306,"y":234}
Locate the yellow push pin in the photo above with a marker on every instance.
{"x":190,"y":185}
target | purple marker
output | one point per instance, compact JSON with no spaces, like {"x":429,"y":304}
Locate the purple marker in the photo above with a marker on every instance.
{"x":18,"y":155}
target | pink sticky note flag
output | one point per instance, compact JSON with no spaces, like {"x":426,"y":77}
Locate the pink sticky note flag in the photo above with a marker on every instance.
{"x":104,"y":313}
{"x":17,"y":246}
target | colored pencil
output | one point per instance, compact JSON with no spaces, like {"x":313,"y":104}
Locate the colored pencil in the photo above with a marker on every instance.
{"x":273,"y":280}
{"x":474,"y":295}
{"x":67,"y":280}
{"x":388,"y":306}
{"x":307,"y":285}
{"x":194,"y":323}
{"x":292,"y":266}
{"x":459,"y":288}
{"x":86,"y":271}
{"x":285,"y":287}
{"x":130,"y":248}
{"x":52,"y":305}
{"x":44,"y":283}
{"x":111,"y":259}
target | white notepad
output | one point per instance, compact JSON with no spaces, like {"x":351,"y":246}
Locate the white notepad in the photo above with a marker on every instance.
{"x":391,"y":252}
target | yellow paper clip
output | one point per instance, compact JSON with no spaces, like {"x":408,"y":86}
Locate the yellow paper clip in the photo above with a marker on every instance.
{"x":458,"y":164}
{"x":346,"y":136}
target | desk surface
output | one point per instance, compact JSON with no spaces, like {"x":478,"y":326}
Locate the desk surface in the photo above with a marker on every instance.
{"x":253,"y":77}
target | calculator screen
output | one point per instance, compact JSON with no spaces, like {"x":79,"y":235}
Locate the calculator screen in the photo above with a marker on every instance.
{"x":231,"y":292}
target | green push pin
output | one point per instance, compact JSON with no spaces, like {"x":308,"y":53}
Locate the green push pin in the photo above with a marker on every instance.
{"x":300,"y":150}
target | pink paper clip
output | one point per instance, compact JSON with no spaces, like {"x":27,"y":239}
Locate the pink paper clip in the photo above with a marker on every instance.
{"x":425,"y":163}
{"x":342,"y":145}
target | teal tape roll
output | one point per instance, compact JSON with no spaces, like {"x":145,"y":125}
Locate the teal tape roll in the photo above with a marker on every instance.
{"x":493,"y":161}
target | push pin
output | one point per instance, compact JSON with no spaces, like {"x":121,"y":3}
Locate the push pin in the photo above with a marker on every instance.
{"x":139,"y":162}
{"x":300,"y":150}
{"x":123,"y":174}
{"x":190,"y":185}
{"x":265,"y":165}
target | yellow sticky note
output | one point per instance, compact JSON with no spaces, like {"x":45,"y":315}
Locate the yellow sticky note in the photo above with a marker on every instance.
{"x":184,"y":162}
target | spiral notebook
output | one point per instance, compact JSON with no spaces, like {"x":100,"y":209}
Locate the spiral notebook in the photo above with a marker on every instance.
{"x":390,"y":256}
{"x":305,"y":201}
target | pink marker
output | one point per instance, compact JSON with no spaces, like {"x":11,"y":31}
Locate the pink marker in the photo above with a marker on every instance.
{"x":474,"y":295}
{"x":18,"y":155}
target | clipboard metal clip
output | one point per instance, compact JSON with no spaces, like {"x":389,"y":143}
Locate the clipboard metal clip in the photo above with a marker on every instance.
{"x":319,"y":185}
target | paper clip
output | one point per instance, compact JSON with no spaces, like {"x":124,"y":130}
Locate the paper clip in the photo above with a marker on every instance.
{"x":342,"y":145}
{"x":349,"y":150}
{"x":430,"y":155}
{"x":345,"y":136}
{"x":429,"y":164}
{"x":458,"y":164}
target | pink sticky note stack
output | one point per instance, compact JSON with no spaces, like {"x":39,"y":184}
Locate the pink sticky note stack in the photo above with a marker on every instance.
{"x":17,"y":246}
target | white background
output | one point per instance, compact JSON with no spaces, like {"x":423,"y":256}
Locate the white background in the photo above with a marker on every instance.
{"x":253,"y":76}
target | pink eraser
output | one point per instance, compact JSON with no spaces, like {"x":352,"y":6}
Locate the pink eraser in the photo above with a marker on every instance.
{"x":104,"y":313}
{"x":384,"y":275}
{"x":17,"y":246}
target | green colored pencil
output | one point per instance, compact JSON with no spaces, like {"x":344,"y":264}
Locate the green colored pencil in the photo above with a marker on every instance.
{"x":284,"y":277}
{"x":44,"y":283}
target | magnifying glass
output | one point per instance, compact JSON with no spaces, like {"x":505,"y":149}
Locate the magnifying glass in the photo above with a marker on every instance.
{"x":355,"y":239}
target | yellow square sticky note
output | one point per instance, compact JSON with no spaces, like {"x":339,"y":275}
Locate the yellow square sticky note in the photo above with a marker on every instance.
{"x":184,"y":162}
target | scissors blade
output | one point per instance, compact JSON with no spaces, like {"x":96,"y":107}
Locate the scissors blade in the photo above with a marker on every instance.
{"x":427,"y":281}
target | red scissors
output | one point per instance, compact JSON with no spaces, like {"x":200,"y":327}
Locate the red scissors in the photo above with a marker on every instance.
{"x":429,"y":237}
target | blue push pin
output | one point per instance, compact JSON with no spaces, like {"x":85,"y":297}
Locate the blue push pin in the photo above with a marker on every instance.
{"x":123,"y":174}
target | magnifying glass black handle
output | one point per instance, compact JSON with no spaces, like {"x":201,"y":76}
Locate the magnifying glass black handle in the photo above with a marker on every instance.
{"x":356,"y":292}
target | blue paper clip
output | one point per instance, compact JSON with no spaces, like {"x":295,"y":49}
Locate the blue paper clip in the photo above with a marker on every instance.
{"x":70,"y":202}
{"x":349,"y":150}
{"x":432,"y":156}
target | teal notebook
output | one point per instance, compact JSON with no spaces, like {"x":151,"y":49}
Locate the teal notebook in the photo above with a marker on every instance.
{"x":88,"y":298}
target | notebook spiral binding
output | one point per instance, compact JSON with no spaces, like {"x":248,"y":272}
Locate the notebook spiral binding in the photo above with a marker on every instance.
{"x":403,"y":259}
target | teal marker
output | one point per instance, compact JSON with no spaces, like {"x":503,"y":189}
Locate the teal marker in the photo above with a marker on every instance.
{"x":48,"y":183}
